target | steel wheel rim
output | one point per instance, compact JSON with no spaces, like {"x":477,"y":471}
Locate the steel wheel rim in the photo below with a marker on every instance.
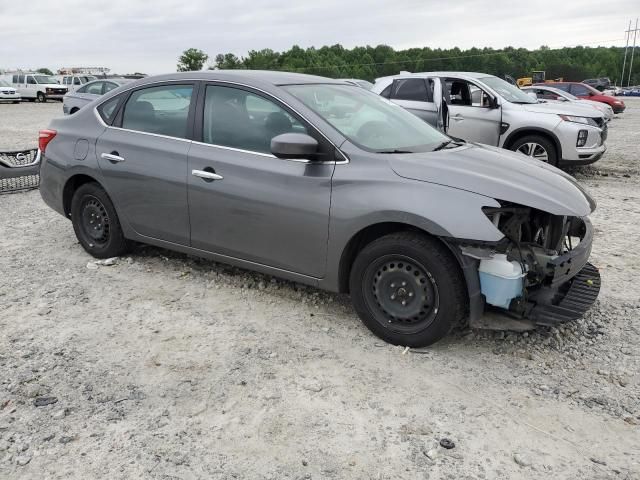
{"x":535,"y":150}
{"x":401,"y":293}
{"x":94,"y":221}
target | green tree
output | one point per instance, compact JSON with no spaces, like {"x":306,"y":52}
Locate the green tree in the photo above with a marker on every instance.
{"x":192,"y":59}
{"x":44,"y":71}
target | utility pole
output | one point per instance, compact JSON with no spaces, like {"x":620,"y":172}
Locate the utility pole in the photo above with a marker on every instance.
{"x":635,"y":34}
{"x":624,"y":63}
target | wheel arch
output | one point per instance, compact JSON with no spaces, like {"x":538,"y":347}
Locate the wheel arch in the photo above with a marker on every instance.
{"x":364,"y":237}
{"x":525,"y":131}
{"x":71,"y":185}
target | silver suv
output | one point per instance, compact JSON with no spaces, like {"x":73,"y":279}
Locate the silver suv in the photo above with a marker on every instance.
{"x":486,"y":109}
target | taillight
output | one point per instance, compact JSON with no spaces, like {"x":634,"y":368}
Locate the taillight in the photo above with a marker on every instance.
{"x":44,"y":137}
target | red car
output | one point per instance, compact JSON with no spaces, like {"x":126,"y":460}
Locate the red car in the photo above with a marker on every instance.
{"x":587,"y":92}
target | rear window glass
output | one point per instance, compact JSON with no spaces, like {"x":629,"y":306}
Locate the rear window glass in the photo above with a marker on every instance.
{"x":108,"y":109}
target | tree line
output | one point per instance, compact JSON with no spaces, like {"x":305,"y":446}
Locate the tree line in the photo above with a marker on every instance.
{"x":368,"y":63}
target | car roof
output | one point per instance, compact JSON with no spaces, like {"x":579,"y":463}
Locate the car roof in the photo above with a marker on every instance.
{"x":463,"y":75}
{"x":271,"y":77}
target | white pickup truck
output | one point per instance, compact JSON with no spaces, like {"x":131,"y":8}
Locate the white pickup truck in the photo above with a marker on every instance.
{"x":36,"y":86}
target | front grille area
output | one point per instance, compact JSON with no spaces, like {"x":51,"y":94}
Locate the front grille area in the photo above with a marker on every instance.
{"x":18,"y":158}
{"x":10,"y":185}
{"x":19,"y":170}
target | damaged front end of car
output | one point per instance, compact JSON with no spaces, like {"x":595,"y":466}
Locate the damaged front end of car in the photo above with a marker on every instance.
{"x":539,"y":270}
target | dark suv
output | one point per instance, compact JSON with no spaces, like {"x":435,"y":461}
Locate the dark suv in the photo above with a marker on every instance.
{"x":587,"y":92}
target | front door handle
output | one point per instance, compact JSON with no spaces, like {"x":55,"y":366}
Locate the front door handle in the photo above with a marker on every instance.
{"x":207,"y":174}
{"x":113,"y":157}
{"x":458,"y":117}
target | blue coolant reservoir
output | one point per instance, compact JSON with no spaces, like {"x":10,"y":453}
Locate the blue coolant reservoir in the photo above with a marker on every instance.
{"x":501,"y":280}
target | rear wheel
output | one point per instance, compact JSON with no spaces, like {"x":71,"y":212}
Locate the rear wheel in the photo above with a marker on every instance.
{"x":407,"y":289}
{"x":96,"y":223}
{"x":41,"y":97}
{"x":538,"y":147}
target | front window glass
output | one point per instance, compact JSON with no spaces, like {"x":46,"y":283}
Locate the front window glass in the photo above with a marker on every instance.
{"x":367,"y":119}
{"x":87,"y":78}
{"x":31,"y":80}
{"x":45,"y":79}
{"x":580,"y":90}
{"x":509,"y":92}
{"x":162,"y":110}
{"x":108,"y":86}
{"x":240,"y":119}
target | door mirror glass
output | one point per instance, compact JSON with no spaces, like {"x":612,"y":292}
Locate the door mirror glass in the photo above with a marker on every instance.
{"x":294,"y":145}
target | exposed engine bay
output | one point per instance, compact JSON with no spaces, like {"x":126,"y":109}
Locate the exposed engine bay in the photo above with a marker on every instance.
{"x":545,"y":253}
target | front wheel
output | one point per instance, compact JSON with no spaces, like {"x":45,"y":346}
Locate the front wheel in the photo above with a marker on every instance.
{"x":41,"y":97}
{"x":408,"y":289}
{"x":96,"y":223}
{"x":538,"y":147}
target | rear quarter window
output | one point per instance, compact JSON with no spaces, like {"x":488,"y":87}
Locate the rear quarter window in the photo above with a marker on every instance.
{"x":109,"y":109}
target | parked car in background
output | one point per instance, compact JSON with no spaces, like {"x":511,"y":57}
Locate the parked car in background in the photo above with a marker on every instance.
{"x":8,"y":93}
{"x":483,"y":108}
{"x":358,"y":83}
{"x":553,"y":94}
{"x":321,"y":182}
{"x":36,"y":86}
{"x":74,"y":82}
{"x":74,"y":101}
{"x":587,"y":92}
{"x":600,"y":84}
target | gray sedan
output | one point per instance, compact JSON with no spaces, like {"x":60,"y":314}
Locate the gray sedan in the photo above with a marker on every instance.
{"x":74,"y":101}
{"x":324,"y":183}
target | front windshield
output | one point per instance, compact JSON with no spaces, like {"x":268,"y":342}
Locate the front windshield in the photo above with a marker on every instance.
{"x":4,"y":84}
{"x":87,"y":78}
{"x":368,"y":120}
{"x":44,"y":79}
{"x":509,"y":92}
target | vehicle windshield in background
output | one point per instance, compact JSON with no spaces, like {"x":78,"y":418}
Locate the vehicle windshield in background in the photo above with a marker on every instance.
{"x":509,"y":92}
{"x":44,"y":79}
{"x":4,"y":84}
{"x":369,"y":120}
{"x":561,"y":93}
{"x":87,"y":78}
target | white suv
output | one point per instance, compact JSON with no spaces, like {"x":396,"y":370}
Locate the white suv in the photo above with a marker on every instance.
{"x":482,"y":108}
{"x":36,"y":86}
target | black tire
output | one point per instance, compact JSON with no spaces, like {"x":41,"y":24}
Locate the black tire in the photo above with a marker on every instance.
{"x":96,"y":223}
{"x":521,"y":145}
{"x":41,"y":97}
{"x":16,"y":101}
{"x":408,"y":289}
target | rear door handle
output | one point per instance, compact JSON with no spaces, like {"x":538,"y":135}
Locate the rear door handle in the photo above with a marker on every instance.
{"x":458,"y":118}
{"x":206,"y":175}
{"x":113,"y":157}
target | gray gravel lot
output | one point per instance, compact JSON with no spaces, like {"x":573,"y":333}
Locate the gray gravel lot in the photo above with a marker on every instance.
{"x":166,"y":366}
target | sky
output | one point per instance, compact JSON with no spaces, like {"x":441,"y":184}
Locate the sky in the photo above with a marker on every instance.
{"x":148,"y":36}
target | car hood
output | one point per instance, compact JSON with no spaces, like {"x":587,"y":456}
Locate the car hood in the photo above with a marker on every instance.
{"x":499,"y":174}
{"x":562,"y":108}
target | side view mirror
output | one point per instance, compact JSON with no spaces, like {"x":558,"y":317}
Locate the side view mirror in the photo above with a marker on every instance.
{"x":294,"y":145}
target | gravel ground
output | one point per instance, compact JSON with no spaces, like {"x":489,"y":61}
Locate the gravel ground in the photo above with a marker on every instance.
{"x":166,"y":366}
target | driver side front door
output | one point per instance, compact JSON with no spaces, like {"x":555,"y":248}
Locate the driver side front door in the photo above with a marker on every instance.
{"x":469,"y":114}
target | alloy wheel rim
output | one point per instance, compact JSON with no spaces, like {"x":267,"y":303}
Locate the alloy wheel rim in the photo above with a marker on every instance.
{"x":535,"y":150}
{"x":402,"y":294}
